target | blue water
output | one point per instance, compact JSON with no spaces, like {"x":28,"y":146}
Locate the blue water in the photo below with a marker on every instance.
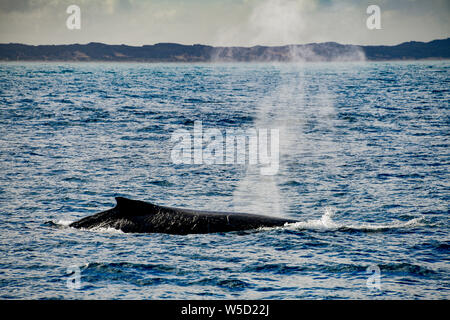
{"x":364,"y":166}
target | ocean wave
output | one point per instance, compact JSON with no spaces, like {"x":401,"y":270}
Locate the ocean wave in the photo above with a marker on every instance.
{"x":125,"y":265}
{"x":395,"y":268}
{"x":326,"y":223}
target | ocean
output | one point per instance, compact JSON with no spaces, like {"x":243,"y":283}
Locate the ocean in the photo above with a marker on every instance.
{"x":364,"y":164}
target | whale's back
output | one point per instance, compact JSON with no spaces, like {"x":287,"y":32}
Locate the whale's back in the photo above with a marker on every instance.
{"x":144,"y":217}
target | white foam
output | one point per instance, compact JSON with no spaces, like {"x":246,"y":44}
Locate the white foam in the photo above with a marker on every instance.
{"x":64,"y":223}
{"x":105,"y":230}
{"x":326,"y":223}
{"x":416,"y":222}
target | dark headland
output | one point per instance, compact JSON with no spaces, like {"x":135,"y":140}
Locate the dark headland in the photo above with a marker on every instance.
{"x":173,"y":52}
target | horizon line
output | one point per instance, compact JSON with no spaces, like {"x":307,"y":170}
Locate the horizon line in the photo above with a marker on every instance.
{"x":223,"y":46}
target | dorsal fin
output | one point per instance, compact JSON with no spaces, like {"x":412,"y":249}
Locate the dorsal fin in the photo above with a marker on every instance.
{"x":123,"y":202}
{"x":129,"y":207}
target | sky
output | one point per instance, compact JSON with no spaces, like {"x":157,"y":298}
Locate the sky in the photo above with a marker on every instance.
{"x":223,"y":22}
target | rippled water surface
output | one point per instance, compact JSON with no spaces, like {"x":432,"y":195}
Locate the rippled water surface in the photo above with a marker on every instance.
{"x":364,"y":166}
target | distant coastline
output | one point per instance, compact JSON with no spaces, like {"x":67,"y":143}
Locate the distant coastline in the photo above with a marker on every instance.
{"x":173,"y":52}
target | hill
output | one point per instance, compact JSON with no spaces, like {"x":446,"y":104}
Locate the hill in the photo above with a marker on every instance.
{"x":173,"y":52}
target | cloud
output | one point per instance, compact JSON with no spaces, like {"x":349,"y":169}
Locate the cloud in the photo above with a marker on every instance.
{"x":220,"y":22}
{"x":20,"y":5}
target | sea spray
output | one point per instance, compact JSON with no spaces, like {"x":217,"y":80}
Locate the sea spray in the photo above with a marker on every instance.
{"x":285,"y":107}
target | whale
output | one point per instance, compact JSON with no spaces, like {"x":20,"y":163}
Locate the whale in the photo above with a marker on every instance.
{"x":135,"y":216}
